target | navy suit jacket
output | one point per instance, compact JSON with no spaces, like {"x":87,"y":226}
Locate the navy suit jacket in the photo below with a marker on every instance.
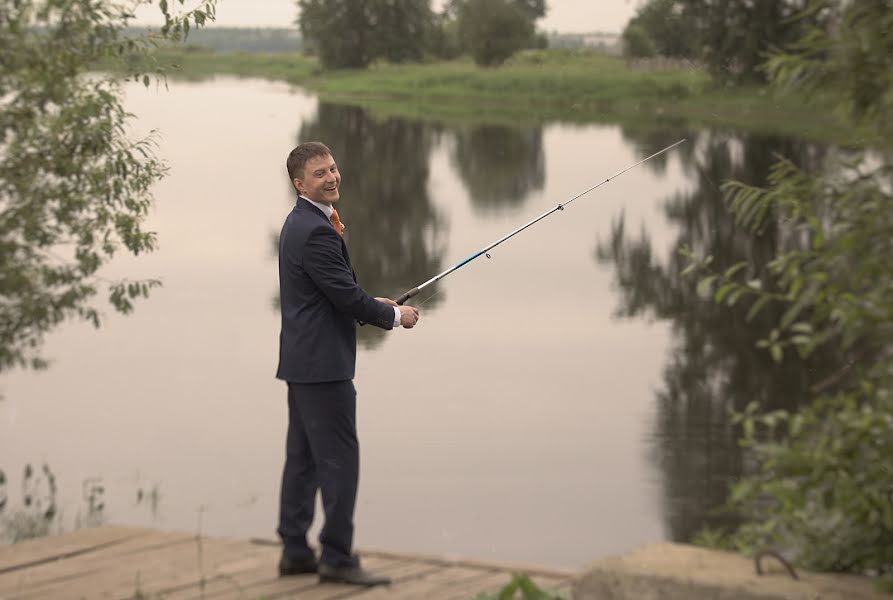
{"x":321,"y":301}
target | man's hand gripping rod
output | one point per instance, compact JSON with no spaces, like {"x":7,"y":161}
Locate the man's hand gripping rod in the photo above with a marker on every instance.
{"x":462,"y":263}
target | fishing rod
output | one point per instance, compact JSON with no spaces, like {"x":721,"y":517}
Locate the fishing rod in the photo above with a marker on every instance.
{"x":464,"y":262}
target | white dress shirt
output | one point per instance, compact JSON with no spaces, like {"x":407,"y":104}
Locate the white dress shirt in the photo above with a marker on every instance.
{"x":327,"y":211}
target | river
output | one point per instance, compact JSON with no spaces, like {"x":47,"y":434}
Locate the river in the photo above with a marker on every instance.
{"x":564,"y":400}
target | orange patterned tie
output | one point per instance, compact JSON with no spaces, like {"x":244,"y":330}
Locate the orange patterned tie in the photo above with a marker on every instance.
{"x":336,"y":222}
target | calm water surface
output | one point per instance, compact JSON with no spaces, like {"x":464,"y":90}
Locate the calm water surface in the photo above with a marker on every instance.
{"x":563,"y":401}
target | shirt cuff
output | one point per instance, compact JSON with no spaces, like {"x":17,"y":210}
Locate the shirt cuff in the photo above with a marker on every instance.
{"x":397,"y":317}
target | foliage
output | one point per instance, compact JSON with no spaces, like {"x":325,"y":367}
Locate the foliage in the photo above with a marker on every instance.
{"x":884,"y":583}
{"x":636,"y":43}
{"x":350,"y":35}
{"x":38,"y":514}
{"x":74,"y":188}
{"x":401,"y":28}
{"x":338,"y":31}
{"x":523,"y":585}
{"x":273,"y":40}
{"x":453,"y":35}
{"x":658,"y":27}
{"x":823,"y":489}
{"x":532,"y":87}
{"x":534,"y":9}
{"x":732,"y":38}
{"x":824,"y":486}
{"x":713,"y":366}
{"x":712,"y":537}
{"x":856,"y":61}
{"x":492,"y":30}
{"x":500,"y":166}
{"x":443,"y":41}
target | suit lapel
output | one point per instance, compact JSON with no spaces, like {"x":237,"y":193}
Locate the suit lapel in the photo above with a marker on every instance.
{"x":306,"y":206}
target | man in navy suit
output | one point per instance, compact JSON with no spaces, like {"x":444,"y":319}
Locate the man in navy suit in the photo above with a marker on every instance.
{"x":321,"y":305}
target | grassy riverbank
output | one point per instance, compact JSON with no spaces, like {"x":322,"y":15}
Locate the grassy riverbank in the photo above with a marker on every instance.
{"x":535,"y":87}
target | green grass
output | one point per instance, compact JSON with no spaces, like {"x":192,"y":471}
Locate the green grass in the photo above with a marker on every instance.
{"x":535,"y":87}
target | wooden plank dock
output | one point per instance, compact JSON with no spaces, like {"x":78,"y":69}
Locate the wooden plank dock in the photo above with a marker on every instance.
{"x":126,"y":563}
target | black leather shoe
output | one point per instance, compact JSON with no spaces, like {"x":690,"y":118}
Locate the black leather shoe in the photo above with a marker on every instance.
{"x":350,"y":576}
{"x":288,"y":566}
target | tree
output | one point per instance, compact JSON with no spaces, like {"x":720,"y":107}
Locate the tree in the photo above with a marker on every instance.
{"x":732,"y":38}
{"x":443,"y":41}
{"x":823,"y":485}
{"x":493,"y":30}
{"x":534,"y":9}
{"x":658,"y":27}
{"x":338,"y":31}
{"x":350,"y":34}
{"x":74,"y":189}
{"x":851,"y":53}
{"x":636,"y":42}
{"x":402,"y":28}
{"x":714,"y":366}
{"x":499,"y":166}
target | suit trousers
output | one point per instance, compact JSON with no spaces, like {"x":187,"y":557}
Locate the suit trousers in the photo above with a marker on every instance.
{"x":322,"y":452}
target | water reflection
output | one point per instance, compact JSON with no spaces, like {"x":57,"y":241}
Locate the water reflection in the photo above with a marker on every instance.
{"x":394,"y":232}
{"x":471,"y":440}
{"x":646,"y":140}
{"x":715,"y":366}
{"x":500,"y":166}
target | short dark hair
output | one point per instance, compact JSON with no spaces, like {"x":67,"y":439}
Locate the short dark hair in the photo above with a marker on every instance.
{"x":298,"y":157}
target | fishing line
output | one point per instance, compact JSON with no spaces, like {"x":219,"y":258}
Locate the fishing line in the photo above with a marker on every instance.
{"x":406,"y":296}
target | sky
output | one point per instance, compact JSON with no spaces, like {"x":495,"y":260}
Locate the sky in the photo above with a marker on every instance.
{"x":565,"y":16}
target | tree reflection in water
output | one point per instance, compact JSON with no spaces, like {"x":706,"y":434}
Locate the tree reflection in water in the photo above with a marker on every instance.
{"x":500,"y":166}
{"x":714,"y":366}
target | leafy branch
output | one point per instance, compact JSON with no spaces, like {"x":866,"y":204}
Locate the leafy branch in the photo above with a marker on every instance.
{"x":74,"y":188}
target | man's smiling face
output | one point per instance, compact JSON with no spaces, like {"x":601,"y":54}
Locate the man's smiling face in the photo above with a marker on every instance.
{"x":321,"y":180}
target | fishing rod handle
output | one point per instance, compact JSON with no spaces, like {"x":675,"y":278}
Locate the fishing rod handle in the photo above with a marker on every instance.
{"x":407,"y":295}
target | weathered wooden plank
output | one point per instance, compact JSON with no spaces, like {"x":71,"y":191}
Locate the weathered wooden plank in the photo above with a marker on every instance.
{"x":56,"y":547}
{"x":251,"y":566}
{"x":218,"y":561}
{"x":246,"y":577}
{"x":423,"y":587}
{"x":509,"y":567}
{"x":112,"y":563}
{"x":83,"y":564}
{"x":213,"y":587}
{"x":405,"y":572}
{"x":412,"y":569}
{"x":301,"y":585}
{"x":194,"y":572}
{"x":397,"y":570}
{"x":116,"y":576}
{"x":318,"y":591}
{"x":220,"y":584}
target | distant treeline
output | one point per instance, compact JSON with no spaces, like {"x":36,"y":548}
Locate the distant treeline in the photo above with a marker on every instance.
{"x":607,"y":43}
{"x":287,"y":40}
{"x":266,"y":40}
